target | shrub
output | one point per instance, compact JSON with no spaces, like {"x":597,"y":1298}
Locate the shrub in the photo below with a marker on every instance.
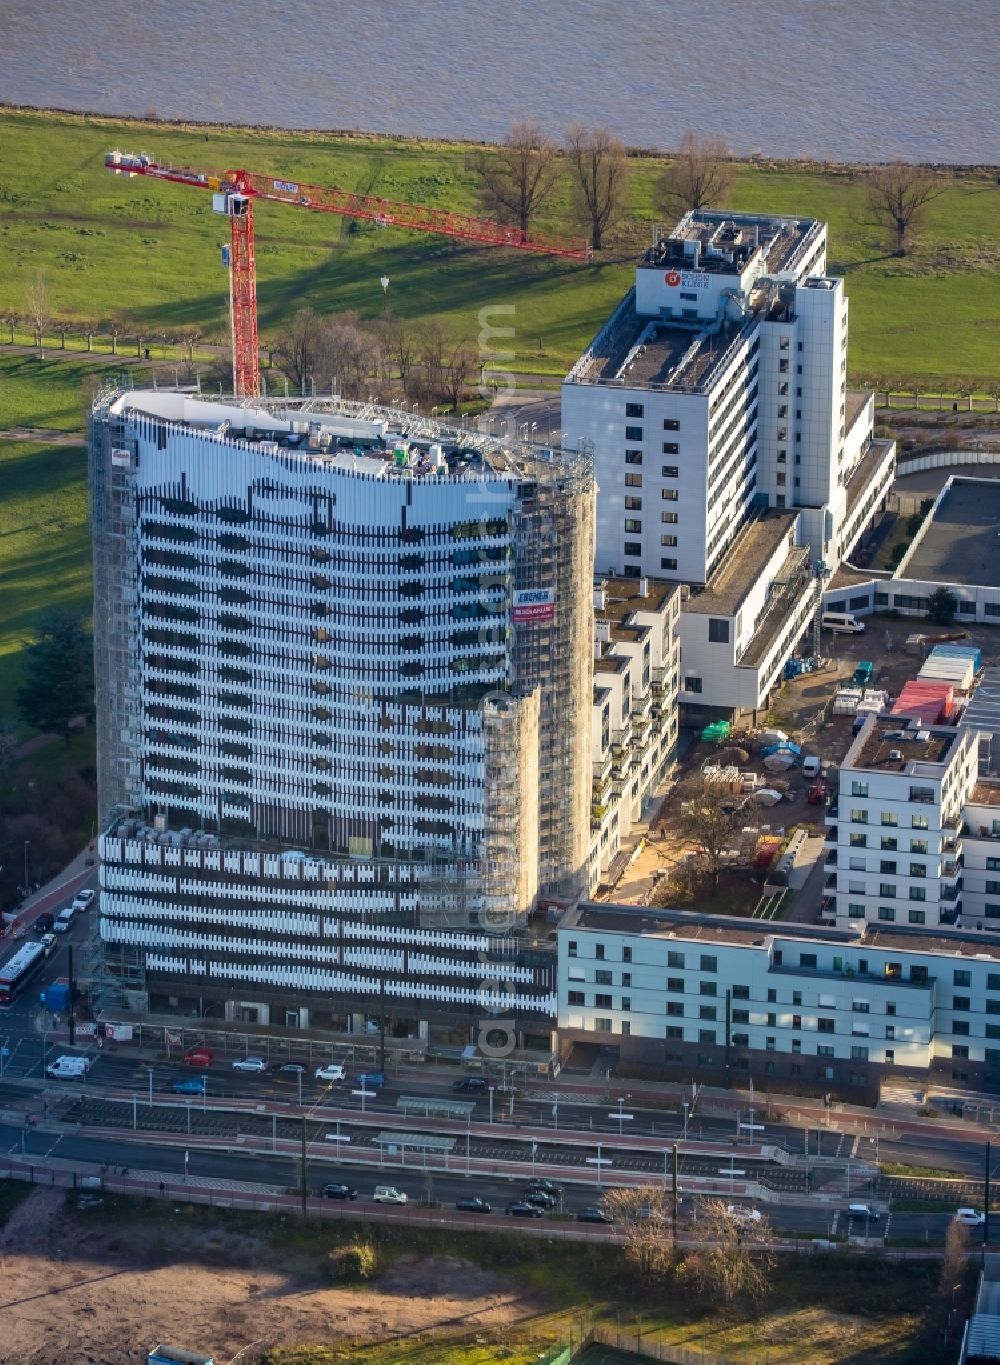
{"x":351,"y":1263}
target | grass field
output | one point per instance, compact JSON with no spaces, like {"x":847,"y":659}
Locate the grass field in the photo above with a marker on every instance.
{"x":148,"y":253}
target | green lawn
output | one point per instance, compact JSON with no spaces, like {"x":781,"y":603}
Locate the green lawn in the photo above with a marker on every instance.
{"x":44,"y":545}
{"x":148,"y":253}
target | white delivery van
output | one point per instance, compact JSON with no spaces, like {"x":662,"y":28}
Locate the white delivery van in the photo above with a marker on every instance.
{"x":842,"y":622}
{"x":68,"y":1068}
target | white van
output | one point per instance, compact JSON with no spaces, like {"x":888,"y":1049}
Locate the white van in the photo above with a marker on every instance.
{"x":64,"y":920}
{"x":842,"y":622}
{"x":68,"y":1068}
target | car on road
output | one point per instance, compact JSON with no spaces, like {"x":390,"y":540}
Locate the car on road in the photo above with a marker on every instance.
{"x":862,"y":1211}
{"x":544,"y":1186}
{"x":593,"y":1215}
{"x":541,"y":1198}
{"x":64,"y":920}
{"x":83,"y":899}
{"x":741,"y":1214}
{"x":371,"y":1080}
{"x":43,"y":924}
{"x":195,"y":1086}
{"x":388,"y":1194}
{"x":470,"y":1085}
{"x":250,"y":1064}
{"x":524,"y":1210}
{"x":330,"y":1071}
{"x":292,"y":1068}
{"x":473,"y":1205}
{"x":970,"y":1218}
{"x":337,"y":1190}
{"x":48,"y":942}
{"x":198,"y":1056}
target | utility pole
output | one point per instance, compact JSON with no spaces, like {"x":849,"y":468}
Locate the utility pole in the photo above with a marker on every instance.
{"x":303,"y":1187}
{"x":674,"y":1197}
{"x":71,"y":994}
{"x":986,"y":1199}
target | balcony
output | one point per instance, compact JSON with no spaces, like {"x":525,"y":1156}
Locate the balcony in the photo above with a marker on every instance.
{"x":952,"y":893}
{"x":980,"y":832}
{"x":847,"y":974}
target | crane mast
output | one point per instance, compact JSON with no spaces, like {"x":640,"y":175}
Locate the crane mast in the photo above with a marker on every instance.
{"x":233,"y":195}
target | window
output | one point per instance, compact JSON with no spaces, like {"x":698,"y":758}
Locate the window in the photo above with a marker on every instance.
{"x":667,"y":563}
{"x":692,"y":684}
{"x":633,"y":504}
{"x":859,"y":788}
{"x":961,"y":1027}
{"x":708,"y":963}
{"x":890,"y":1007}
{"x":633,"y":527}
{"x":920,"y":846}
{"x":961,"y":978}
{"x":602,"y":1025}
{"x":772,"y":996}
{"x":671,"y":424}
{"x":859,"y":816}
{"x":918,"y":869}
{"x":706,"y":1035}
{"x":671,"y":448}
{"x":887,"y":889}
{"x":633,"y":457}
{"x":669,"y":518}
{"x":992,"y":864}
{"x":887,"y":865}
{"x":707,"y":988}
{"x":886,"y":912}
{"x":670,"y":471}
{"x":797,"y":1021}
{"x":796,"y":997}
{"x":825,"y":1025}
{"x":668,"y":494}
{"x":859,"y":1054}
{"x":633,"y":410}
{"x":992,"y":888}
{"x":772,"y":1021}
{"x":626,"y":954}
{"x":960,"y":1002}
{"x":718,"y":630}
{"x":633,"y":548}
{"x":674,"y":1031}
{"x":890,"y":842}
{"x":855,"y":910}
{"x":603,"y":1002}
{"x":993,"y":981}
{"x":668,"y":540}
{"x":918,"y":893}
{"x":626,"y":978}
{"x":916,"y":916}
{"x":824,"y":1050}
{"x":889,"y":818}
{"x":675,"y":1009}
{"x":599,"y":951}
{"x":571,"y":948}
{"x":707,"y":1012}
{"x":633,"y":433}
{"x":741,"y":1040}
{"x":633,"y":480}
{"x":576,"y":998}
{"x":675,"y":959}
{"x":743,"y":992}
{"x":603,"y":978}
{"x":675,"y":984}
{"x":807,"y":959}
{"x":741,"y":1016}
{"x":859,"y":841}
{"x":920,"y":822}
{"x":960,"y":1049}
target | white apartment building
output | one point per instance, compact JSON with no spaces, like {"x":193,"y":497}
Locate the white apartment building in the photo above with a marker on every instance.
{"x":635,"y":718}
{"x":809,"y":1009}
{"x":895,"y":835}
{"x":344,"y":691}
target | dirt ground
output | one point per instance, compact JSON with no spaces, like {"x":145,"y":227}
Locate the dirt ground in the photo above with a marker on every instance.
{"x":84,"y":1293}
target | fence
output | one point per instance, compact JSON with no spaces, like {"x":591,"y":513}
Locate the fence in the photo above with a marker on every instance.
{"x":635,"y":1344}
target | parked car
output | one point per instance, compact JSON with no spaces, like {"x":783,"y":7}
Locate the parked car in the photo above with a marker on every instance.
{"x":194,"y":1086}
{"x":473,"y":1205}
{"x":862,"y":1211}
{"x":64,"y":920}
{"x":541,"y":1198}
{"x":198,"y":1056}
{"x":82,"y":899}
{"x":524,"y":1210}
{"x":388,"y":1194}
{"x":470,"y":1085}
{"x":546,"y":1187}
{"x":292,"y":1068}
{"x":593,"y":1215}
{"x":250,"y":1064}
{"x":337,"y":1190}
{"x":48,"y":942}
{"x":742,"y":1214}
{"x":43,"y":924}
{"x":331,"y":1071}
{"x":370,"y":1080}
{"x":971,"y":1218}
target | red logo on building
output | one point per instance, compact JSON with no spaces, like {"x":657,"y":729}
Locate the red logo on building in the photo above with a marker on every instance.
{"x":672,"y":278}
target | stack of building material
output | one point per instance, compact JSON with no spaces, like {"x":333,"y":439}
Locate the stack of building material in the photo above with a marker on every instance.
{"x":874,"y":700}
{"x":959,"y":672}
{"x":930,"y":700}
{"x":845,"y":703}
{"x":961,"y":652}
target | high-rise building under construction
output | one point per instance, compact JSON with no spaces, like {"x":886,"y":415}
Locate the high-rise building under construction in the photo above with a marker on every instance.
{"x":344,"y":688}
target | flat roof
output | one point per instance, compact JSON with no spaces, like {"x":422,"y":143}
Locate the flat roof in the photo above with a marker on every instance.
{"x":727,"y":242}
{"x":985,"y":794}
{"x":753,"y":548}
{"x":861,"y":475}
{"x":645,"y":352}
{"x":960,"y":542}
{"x":855,"y":402}
{"x":624,"y":596}
{"x":879,"y":745}
{"x":983,"y":709}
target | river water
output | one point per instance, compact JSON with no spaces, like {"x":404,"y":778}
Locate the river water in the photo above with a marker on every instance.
{"x":831,"y":79}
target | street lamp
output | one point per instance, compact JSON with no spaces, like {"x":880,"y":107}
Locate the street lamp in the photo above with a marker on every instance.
{"x":491,"y":1090}
{"x":687,"y":1109}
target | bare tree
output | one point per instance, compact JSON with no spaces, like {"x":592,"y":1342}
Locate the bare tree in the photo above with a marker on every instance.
{"x":710,"y":822}
{"x":898,"y":195}
{"x":298,"y":349}
{"x":37,"y":312}
{"x":400,"y":345}
{"x":734,"y":1257}
{"x":460,"y":364}
{"x":519,"y":176}
{"x":433,"y":348}
{"x":641,"y":1215}
{"x":188,"y":337}
{"x":700,"y":176}
{"x":10,"y":319}
{"x":601,"y":167}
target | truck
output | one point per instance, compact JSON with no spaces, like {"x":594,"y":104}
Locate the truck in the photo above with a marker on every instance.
{"x":68,"y":1068}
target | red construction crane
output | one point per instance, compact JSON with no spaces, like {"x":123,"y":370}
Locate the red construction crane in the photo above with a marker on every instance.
{"x":233,"y":193}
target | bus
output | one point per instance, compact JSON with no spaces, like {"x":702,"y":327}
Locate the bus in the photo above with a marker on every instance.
{"x":18,"y":970}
